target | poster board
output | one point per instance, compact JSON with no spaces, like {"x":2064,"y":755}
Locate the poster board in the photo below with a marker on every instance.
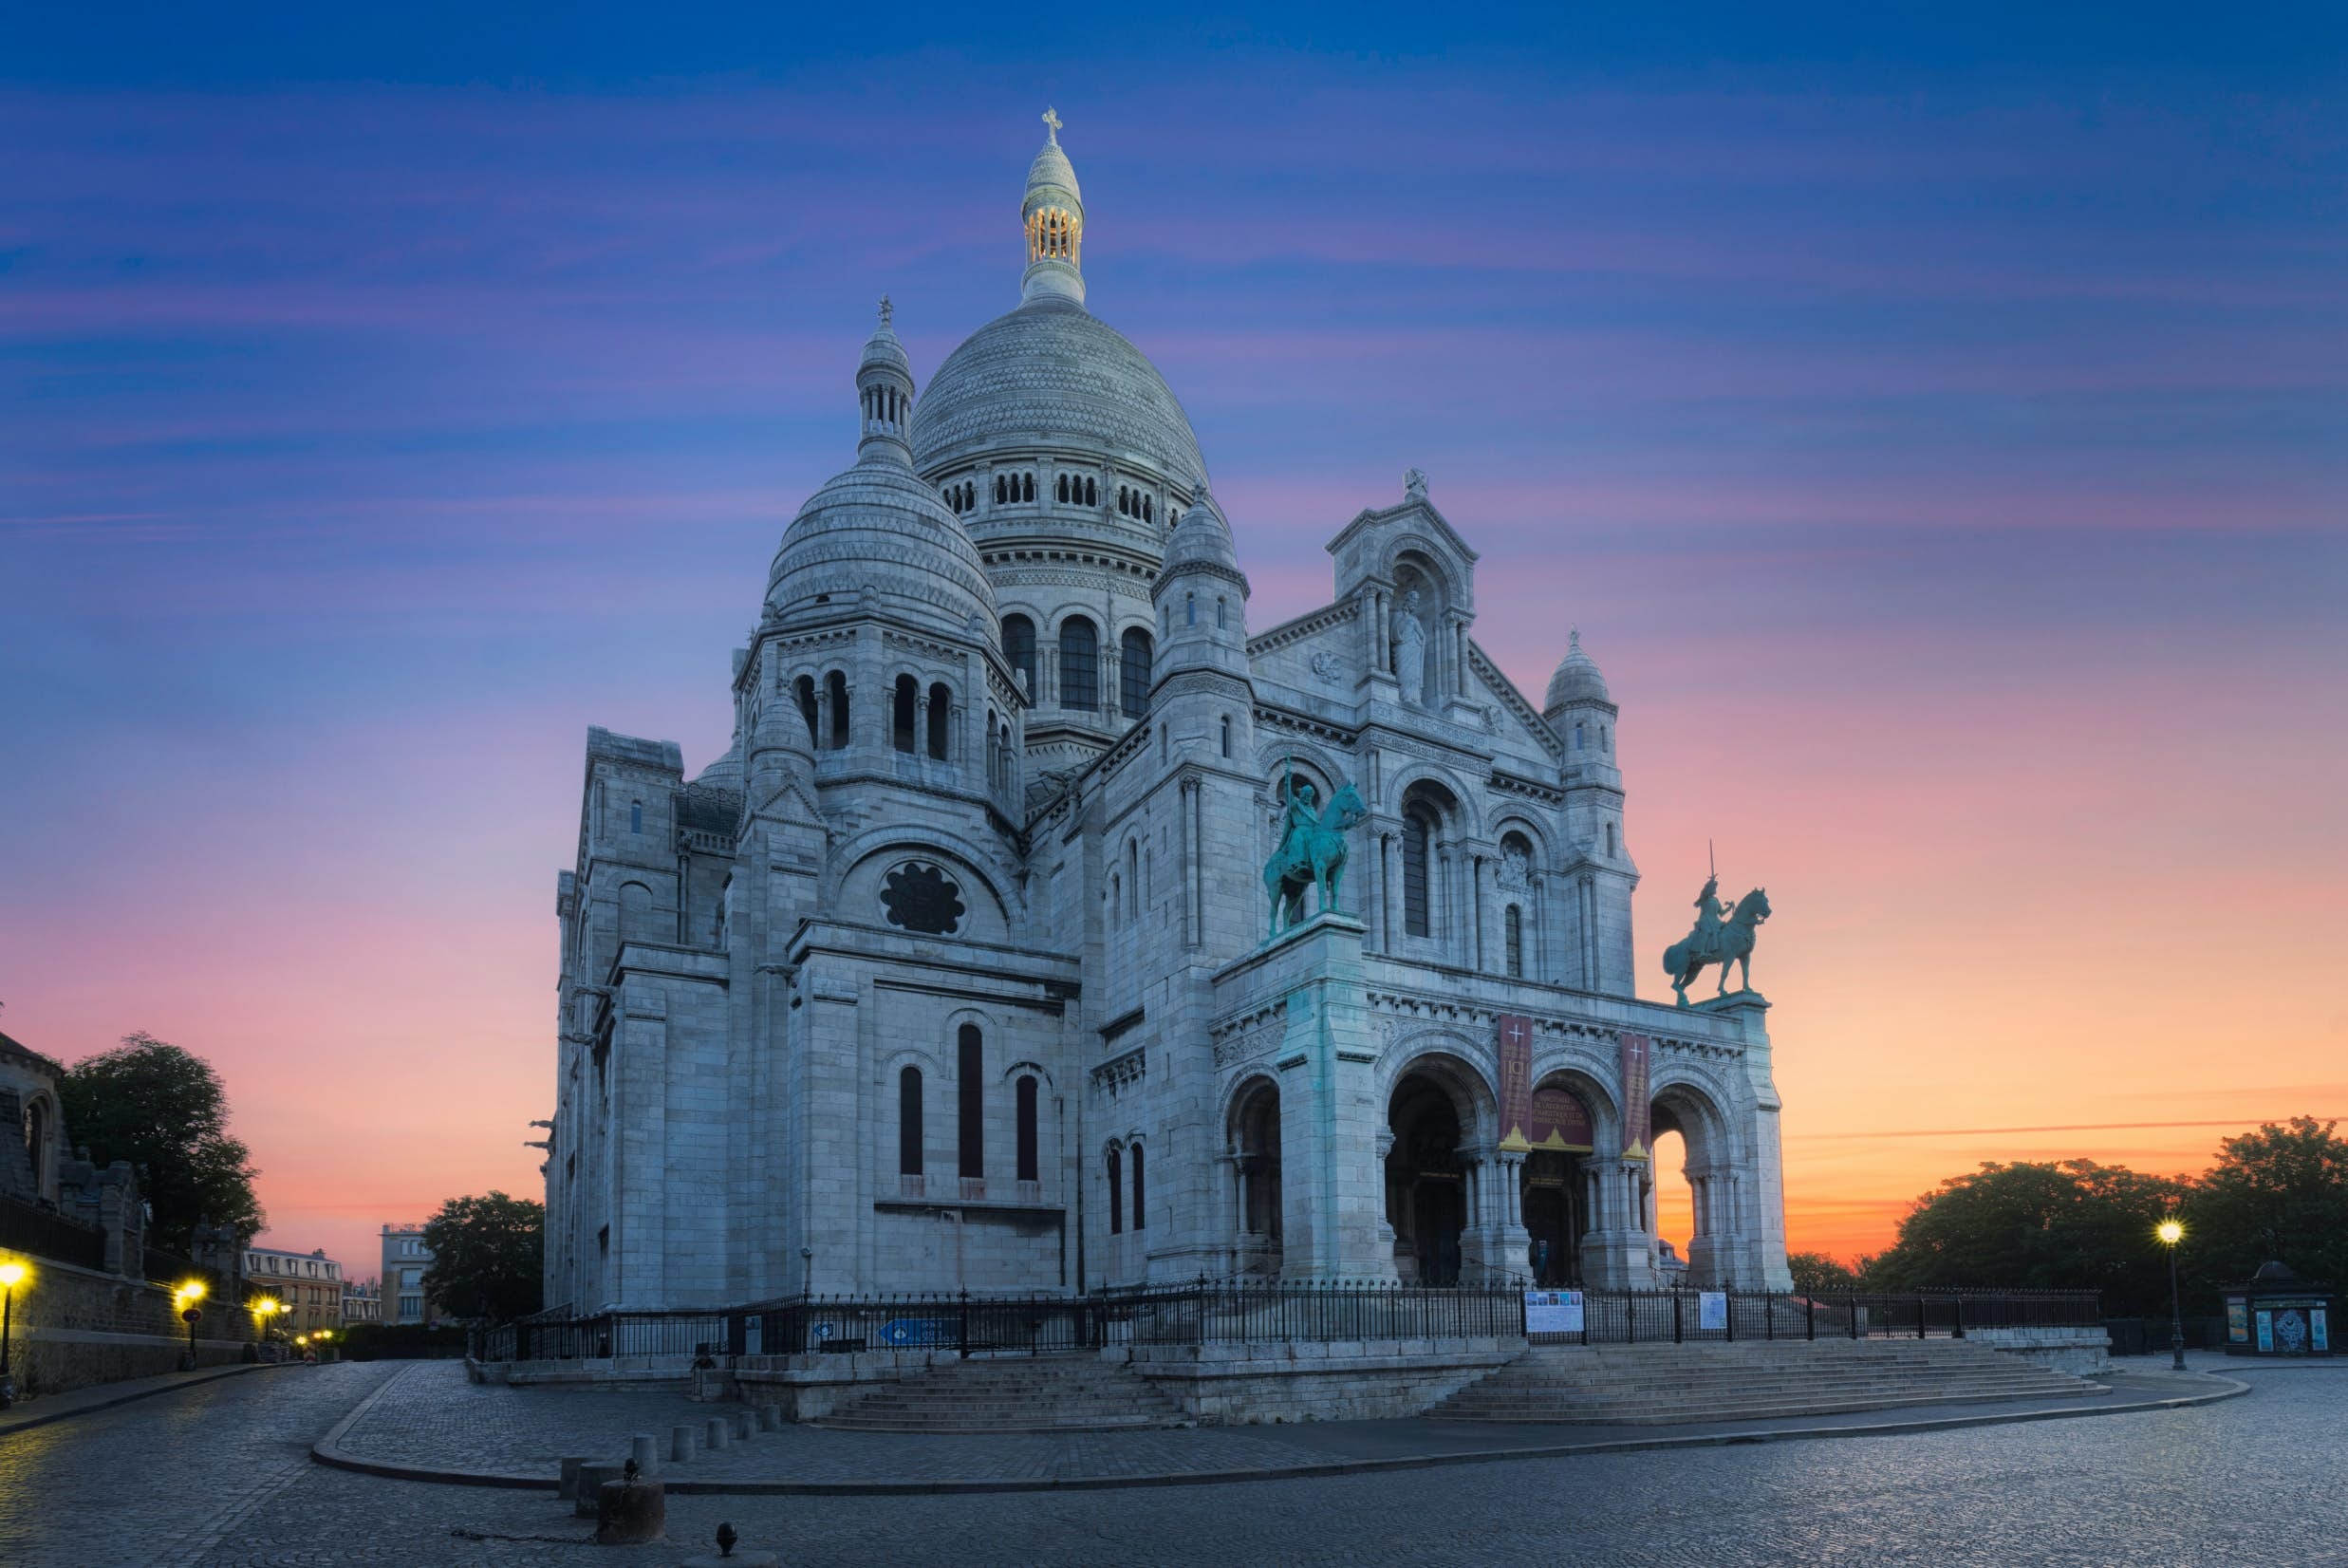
{"x":1712,"y":1309}
{"x":1553,"y":1312}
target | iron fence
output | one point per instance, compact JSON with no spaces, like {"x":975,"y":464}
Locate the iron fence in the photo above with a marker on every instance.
{"x":1266,"y":1312}
{"x":45,"y":1233}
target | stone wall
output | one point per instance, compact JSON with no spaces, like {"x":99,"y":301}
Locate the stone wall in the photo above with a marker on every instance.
{"x":1358,"y":1380}
{"x":2084,"y":1352}
{"x":74,"y":1328}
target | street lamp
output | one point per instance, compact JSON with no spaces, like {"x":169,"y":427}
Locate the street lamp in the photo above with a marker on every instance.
{"x":267,"y":1308}
{"x":2170,"y":1233}
{"x":11,"y":1275}
{"x":186,"y":1295}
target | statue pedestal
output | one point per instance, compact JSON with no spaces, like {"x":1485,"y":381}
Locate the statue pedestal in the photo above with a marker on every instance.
{"x":1333,"y":1190}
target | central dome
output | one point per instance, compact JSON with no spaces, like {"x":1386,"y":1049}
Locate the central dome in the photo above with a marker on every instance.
{"x":1052,"y":374}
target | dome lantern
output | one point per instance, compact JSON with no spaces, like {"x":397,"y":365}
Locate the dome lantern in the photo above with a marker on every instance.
{"x":1053,"y":216}
{"x":884,"y":394}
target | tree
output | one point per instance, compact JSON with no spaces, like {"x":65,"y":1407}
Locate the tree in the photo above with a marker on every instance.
{"x":488,"y":1257}
{"x":2065,"y":1225}
{"x":163,"y":1110}
{"x":2281,"y":1193}
{"x":1816,"y":1273}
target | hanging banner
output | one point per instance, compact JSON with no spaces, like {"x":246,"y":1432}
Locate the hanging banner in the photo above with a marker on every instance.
{"x":1637,"y":1132}
{"x":1515,"y":1037}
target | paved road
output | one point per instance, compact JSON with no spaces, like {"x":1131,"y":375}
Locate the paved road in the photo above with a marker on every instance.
{"x":218,"y":1476}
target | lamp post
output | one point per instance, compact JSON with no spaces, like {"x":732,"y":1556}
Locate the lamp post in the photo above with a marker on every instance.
{"x":2170,"y":1233}
{"x":11,"y":1275}
{"x":189,"y":1293}
{"x":267,"y":1308}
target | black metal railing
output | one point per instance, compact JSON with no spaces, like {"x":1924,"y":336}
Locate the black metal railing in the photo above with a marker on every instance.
{"x":45,"y":1233}
{"x":1202,"y":1311}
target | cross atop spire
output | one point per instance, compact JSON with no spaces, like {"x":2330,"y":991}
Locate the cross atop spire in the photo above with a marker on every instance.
{"x":887,"y":310}
{"x":1051,"y":125}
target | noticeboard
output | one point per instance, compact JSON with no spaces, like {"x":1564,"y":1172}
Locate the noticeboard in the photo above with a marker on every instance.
{"x":1712,"y":1309}
{"x":1553,"y":1312}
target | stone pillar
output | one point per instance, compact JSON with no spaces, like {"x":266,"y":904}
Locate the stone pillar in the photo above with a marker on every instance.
{"x":1331,"y":1187}
{"x":1477,"y":900}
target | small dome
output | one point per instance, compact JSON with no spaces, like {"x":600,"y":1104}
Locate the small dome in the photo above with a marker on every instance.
{"x":1577,"y":679}
{"x":1052,"y":174}
{"x":882,"y":348}
{"x":1202,"y":540}
{"x":724,"y":771}
{"x":878,"y":535}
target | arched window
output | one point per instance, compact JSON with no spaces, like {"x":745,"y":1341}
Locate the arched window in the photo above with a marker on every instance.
{"x":993,"y":753}
{"x":1116,"y":1192}
{"x":1133,"y":680}
{"x":910,"y":1122}
{"x":835,"y":686}
{"x":1140,"y":1213}
{"x":1514,"y":921}
{"x":1221,"y":605}
{"x":1080,"y":656}
{"x":638,"y":921}
{"x":1030,"y":488}
{"x":1146,"y":510}
{"x":901,"y":707}
{"x":1132,"y":879}
{"x":1060,"y":490}
{"x":1092,"y":496}
{"x":805,"y":687}
{"x":1020,"y":649}
{"x":970,"y":1099}
{"x":1606,"y":738}
{"x":1418,"y":836}
{"x":999,"y":490}
{"x":941,"y":714}
{"x":1190,"y":609}
{"x":1577,"y":734}
{"x":1226,"y":735}
{"x":1028,"y":1163}
{"x":1161,"y":742}
{"x":635,"y":817}
{"x":1121,"y":501}
{"x":1610,"y":841}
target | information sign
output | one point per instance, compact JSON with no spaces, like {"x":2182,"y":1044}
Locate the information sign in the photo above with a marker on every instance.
{"x":1553,"y":1312}
{"x":1712,"y":1309}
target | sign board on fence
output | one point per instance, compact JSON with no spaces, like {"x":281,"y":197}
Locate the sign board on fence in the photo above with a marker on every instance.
{"x":1712,"y":1309}
{"x":1553,"y":1312}
{"x":2321,"y":1329}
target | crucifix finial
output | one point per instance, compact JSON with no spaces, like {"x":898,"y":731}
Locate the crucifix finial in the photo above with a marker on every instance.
{"x":1051,"y":125}
{"x":887,"y":310}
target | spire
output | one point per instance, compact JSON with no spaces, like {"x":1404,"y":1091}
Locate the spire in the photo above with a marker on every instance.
{"x":885,"y":392}
{"x":1052,"y":218}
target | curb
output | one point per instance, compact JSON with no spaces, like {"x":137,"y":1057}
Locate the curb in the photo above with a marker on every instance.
{"x":327,"y":1452}
{"x":10,"y":1428}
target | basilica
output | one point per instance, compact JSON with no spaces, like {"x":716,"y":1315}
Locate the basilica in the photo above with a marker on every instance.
{"x":969,"y":967}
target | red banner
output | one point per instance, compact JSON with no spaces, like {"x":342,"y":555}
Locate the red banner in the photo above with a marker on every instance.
{"x":1637,"y":1131}
{"x":1550,"y":1117}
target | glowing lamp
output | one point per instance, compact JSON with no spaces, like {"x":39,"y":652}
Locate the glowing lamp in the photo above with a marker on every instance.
{"x":2171,"y":1232}
{"x":11,"y":1275}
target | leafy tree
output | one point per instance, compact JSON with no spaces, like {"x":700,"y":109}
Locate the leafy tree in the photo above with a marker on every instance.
{"x":164,"y":1110}
{"x":2279,"y":1192}
{"x":2065,"y":1225}
{"x":488,"y":1257}
{"x":1816,"y":1273}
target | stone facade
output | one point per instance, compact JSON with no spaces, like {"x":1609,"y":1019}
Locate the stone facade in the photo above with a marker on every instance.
{"x":953,"y":972}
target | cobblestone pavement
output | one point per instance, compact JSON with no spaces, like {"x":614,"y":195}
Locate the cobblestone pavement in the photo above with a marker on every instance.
{"x":432,"y":1418}
{"x":212,"y":1479}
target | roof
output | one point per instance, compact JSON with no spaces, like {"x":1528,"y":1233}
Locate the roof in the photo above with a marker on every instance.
{"x":17,"y":1051}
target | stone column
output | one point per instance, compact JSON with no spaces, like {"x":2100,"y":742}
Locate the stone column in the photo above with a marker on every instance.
{"x":1331,"y":1187}
{"x":1476,"y":913}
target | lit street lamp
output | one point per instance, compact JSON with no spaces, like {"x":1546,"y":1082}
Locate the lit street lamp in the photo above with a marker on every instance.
{"x":2170,"y":1233}
{"x":11,"y":1275}
{"x":189,"y":1293}
{"x":265,"y":1309}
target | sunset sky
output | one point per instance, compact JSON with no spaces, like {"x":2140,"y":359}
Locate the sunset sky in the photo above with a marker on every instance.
{"x":1940,"y":440}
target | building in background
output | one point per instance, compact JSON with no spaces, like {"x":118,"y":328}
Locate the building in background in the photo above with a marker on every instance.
{"x":310,"y":1284}
{"x":405,"y":1258}
{"x":363,"y":1301}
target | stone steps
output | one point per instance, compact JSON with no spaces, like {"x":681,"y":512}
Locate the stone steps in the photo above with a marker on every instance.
{"x":1656,"y":1384}
{"x":1045,"y":1393}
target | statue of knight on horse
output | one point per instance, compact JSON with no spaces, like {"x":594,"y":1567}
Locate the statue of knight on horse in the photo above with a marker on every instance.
{"x":1311,"y":850}
{"x":1720,"y":937}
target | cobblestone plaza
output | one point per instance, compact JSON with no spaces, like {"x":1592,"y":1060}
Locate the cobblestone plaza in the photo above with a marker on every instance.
{"x":222,"y":1474}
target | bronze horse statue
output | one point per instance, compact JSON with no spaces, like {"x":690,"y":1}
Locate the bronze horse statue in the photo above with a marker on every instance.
{"x":1732,"y":944}
{"x":1310,"y":856}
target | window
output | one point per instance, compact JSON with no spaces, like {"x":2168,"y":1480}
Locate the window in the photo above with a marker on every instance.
{"x":970,"y":1098}
{"x":1028,"y":1163}
{"x":1220,"y":606}
{"x":910,"y":1122}
{"x":1190,"y":609}
{"x":1080,"y":656}
{"x":1577,"y":734}
{"x":1000,"y":496}
{"x":1610,"y":841}
{"x":941,"y":714}
{"x":835,"y":686}
{"x":1139,"y":1213}
{"x":1226,"y":735}
{"x":1606,"y":738}
{"x":1418,"y":832}
{"x":1133,"y":682}
{"x":635,"y":817}
{"x":900,"y":714}
{"x":1029,"y":487}
{"x":1020,"y":649}
{"x":1116,"y":1193}
{"x":805,"y":688}
{"x":1514,"y":921}
{"x":1092,"y":494}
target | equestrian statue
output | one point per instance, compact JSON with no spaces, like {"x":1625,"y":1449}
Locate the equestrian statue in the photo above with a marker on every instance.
{"x":1722,"y":936}
{"x":1311,"y":850}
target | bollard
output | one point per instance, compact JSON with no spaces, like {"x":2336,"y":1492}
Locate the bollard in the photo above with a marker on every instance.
{"x":644,"y":1449}
{"x":569,"y":1491}
{"x":744,"y":1424}
{"x":628,"y":1513}
{"x":679,"y":1444}
{"x":770,"y":1418}
{"x":717,"y":1432}
{"x":591,"y":1479}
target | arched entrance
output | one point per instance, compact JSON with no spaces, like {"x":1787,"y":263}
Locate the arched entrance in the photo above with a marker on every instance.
{"x":1554,"y":1192}
{"x":1713,"y":1200}
{"x":1255,"y":1179}
{"x":1425,"y":1187}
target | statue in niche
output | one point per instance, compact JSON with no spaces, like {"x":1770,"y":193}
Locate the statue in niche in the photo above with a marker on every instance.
{"x":1516,"y":872}
{"x":1410,"y":650}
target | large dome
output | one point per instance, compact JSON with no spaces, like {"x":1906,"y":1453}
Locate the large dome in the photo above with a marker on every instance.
{"x":1050,"y":373}
{"x":878,"y":530}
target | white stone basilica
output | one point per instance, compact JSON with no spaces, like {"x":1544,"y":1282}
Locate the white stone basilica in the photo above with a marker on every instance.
{"x":953,"y":973}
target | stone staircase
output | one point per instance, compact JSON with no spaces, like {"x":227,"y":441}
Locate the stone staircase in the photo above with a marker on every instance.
{"x":1039,"y":1393}
{"x":1658,"y":1385}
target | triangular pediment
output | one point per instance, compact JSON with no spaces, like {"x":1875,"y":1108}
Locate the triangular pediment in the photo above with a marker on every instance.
{"x":1415,"y":512}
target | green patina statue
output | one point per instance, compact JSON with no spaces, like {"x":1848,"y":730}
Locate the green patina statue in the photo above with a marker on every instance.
{"x":1722,"y":936}
{"x":1311,"y":850}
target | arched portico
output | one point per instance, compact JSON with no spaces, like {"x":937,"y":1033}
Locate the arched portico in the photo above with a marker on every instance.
{"x":1451,"y":1213}
{"x":1715,"y":1179}
{"x":1253,"y":1136}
